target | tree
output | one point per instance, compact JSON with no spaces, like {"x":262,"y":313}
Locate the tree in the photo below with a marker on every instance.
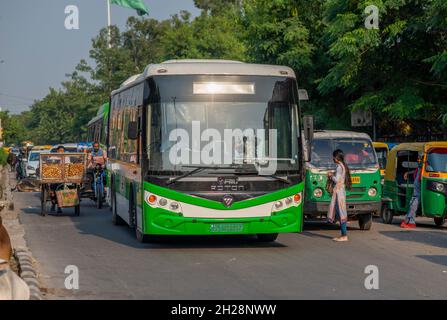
{"x":396,"y":71}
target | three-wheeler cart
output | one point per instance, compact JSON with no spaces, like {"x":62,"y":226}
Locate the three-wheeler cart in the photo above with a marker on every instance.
{"x":60,"y":177}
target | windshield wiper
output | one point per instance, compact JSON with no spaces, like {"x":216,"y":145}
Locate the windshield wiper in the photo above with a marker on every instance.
{"x":245,"y":171}
{"x":197,"y":169}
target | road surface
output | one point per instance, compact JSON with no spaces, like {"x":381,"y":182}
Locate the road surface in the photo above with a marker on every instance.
{"x":113,"y":265}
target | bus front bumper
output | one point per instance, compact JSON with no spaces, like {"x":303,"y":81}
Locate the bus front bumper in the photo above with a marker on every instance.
{"x":313,"y":208}
{"x":164,"y":223}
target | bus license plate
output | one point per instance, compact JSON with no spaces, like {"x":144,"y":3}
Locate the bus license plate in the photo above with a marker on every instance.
{"x":227,"y":228}
{"x":355,"y":180}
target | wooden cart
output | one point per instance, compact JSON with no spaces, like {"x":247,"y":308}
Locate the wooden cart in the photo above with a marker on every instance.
{"x":61,"y":173}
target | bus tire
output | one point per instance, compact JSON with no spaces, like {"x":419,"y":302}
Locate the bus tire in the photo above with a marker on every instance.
{"x":267,"y":237}
{"x":142,"y":238}
{"x":439,"y":222}
{"x":387,"y":215}
{"x":116,"y":219}
{"x":365,"y":221}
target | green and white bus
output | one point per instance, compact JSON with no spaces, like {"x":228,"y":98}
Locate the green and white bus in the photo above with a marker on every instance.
{"x":170,"y":126}
{"x":97,"y":127}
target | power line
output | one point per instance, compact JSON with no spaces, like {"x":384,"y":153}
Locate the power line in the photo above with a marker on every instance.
{"x":17,"y":97}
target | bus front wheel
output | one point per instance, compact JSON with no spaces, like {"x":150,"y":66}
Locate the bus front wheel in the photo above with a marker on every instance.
{"x":439,"y":222}
{"x":267,"y":237}
{"x":142,"y":238}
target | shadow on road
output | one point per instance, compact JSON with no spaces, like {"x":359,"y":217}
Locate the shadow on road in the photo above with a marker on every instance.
{"x":99,"y":223}
{"x":441,"y":260}
{"x":432,"y":238}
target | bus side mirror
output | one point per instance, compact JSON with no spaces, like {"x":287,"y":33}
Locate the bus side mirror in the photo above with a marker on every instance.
{"x":308,"y":122}
{"x":132,"y":130}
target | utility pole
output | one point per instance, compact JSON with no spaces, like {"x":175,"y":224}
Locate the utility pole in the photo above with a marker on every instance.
{"x":109,"y":23}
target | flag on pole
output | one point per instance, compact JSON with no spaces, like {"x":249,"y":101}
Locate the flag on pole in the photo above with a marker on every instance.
{"x":133,"y":4}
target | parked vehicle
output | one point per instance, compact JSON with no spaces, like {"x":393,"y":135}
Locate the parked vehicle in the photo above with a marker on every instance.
{"x":364,"y":198}
{"x":382,"y":150}
{"x":33,"y":163}
{"x":398,"y":191}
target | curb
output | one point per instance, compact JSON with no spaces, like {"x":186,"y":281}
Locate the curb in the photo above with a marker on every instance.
{"x":27,"y":272}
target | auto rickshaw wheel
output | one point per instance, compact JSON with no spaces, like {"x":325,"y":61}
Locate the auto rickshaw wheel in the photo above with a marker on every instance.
{"x":387,"y":215}
{"x":439,"y":222}
{"x":365,"y":221}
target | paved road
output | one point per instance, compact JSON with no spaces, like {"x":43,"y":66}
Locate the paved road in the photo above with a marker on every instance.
{"x":113,"y":265}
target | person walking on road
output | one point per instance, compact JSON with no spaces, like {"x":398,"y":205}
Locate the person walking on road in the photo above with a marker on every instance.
{"x":410,"y":222}
{"x":342,"y":181}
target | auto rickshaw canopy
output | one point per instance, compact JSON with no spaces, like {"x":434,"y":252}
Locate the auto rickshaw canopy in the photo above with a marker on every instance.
{"x":381,"y":145}
{"x":421,"y":147}
{"x":391,"y":167}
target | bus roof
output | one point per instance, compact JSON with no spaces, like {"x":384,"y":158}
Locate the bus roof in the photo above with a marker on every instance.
{"x":330,"y":134}
{"x":208,"y":67}
{"x":100,"y":114}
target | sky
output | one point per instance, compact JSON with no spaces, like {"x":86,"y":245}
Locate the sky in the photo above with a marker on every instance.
{"x":37,"y":51}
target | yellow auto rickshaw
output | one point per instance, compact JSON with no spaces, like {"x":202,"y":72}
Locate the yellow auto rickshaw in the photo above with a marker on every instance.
{"x":399,"y":180}
{"x":382,"y":150}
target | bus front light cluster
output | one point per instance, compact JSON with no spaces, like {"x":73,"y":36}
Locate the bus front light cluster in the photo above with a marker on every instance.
{"x":155,"y":201}
{"x":293,"y":201}
{"x":372,"y":192}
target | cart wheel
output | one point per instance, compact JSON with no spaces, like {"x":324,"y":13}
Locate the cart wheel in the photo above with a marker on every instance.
{"x":43,"y":200}
{"x":77,"y":210}
{"x":78,"y":207}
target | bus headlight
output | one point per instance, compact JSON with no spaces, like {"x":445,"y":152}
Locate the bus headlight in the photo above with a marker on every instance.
{"x":318,"y":193}
{"x":289,"y":202}
{"x":174,"y":206}
{"x":155,"y":201}
{"x":278,"y":205}
{"x":372,"y":192}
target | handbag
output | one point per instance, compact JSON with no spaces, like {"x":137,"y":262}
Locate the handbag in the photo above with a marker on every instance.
{"x":330,"y":185}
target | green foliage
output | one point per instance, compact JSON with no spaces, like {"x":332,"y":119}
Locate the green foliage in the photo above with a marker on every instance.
{"x":3,"y":157}
{"x":399,"y":71}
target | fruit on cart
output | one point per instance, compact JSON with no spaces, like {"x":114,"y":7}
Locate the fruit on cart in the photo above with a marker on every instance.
{"x":74,"y":170}
{"x":51,"y":171}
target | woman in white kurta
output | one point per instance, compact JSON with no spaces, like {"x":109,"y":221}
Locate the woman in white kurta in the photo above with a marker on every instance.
{"x":337,"y":208}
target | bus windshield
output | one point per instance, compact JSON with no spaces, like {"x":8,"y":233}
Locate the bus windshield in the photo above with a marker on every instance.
{"x":223,"y":121}
{"x":437,"y":160}
{"x":359,"y":153}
